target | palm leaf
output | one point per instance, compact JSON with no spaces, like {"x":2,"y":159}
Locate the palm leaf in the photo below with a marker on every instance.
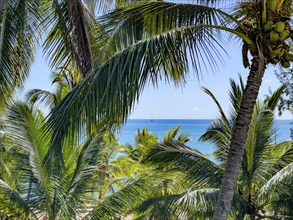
{"x":222,"y":113}
{"x":37,"y":95}
{"x":68,"y":44}
{"x":112,"y":90}
{"x":259,"y":140}
{"x":24,"y":128}
{"x":198,"y":203}
{"x":19,"y":25}
{"x":12,"y":204}
{"x":280,"y":178}
{"x":199,"y":169}
{"x":128,"y":198}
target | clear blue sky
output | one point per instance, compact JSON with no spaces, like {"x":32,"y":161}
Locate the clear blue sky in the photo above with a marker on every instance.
{"x":189,"y":102}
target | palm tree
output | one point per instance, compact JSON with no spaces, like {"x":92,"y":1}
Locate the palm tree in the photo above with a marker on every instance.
{"x":66,"y":30}
{"x":30,"y":190}
{"x":92,"y":171}
{"x":63,"y":82}
{"x":35,"y":193}
{"x":264,"y":188}
{"x":264,"y":160}
{"x":156,"y":40}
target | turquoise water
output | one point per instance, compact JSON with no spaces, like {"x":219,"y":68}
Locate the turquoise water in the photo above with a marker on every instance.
{"x":193,"y":128}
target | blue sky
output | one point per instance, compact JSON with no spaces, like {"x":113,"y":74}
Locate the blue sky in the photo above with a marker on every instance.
{"x":188,"y":102}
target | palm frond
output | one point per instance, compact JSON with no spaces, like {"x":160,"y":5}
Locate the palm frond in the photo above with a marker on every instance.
{"x":80,"y":187}
{"x":218,"y":134}
{"x":19,"y":25}
{"x":128,"y":198}
{"x":145,"y":19}
{"x":112,"y":90}
{"x":175,"y":156}
{"x":172,"y":133}
{"x":222,"y":113}
{"x":67,"y":43}
{"x":220,"y":130}
{"x":280,"y":177}
{"x":235,"y":95}
{"x":275,"y":97}
{"x":37,"y":95}
{"x":24,"y":128}
{"x":260,"y":139}
{"x":12,"y":204}
{"x":198,"y":203}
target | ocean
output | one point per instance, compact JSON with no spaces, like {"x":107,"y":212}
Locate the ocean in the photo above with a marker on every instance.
{"x":193,"y":128}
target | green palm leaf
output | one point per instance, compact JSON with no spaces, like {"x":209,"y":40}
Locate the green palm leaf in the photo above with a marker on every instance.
{"x":128,"y":198}
{"x":195,"y":204}
{"x":38,"y":95}
{"x":199,"y":169}
{"x":19,"y":25}
{"x":282,"y":176}
{"x":111,"y":91}
{"x":12,"y":203}
{"x":68,"y":42}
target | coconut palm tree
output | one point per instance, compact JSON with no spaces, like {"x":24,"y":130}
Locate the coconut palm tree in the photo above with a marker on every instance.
{"x":264,"y":188}
{"x":262,"y":184}
{"x":157,"y":40}
{"x":31,"y":191}
{"x":92,"y":171}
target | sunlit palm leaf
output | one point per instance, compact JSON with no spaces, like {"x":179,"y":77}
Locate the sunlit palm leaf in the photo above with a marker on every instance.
{"x":12,"y":203}
{"x":37,"y":95}
{"x":128,"y":198}
{"x":259,"y":141}
{"x":24,"y":128}
{"x":111,"y":91}
{"x":68,"y":43}
{"x":176,"y":156}
{"x":19,"y":24}
{"x":279,"y":178}
{"x":196,"y":204}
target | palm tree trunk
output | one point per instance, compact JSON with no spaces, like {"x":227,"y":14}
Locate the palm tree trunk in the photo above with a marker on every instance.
{"x":238,"y":140}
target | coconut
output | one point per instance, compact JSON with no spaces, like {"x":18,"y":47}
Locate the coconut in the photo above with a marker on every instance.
{"x":269,"y":25}
{"x":276,"y":52}
{"x":288,"y":56}
{"x":274,"y":36}
{"x":284,"y":34}
{"x":279,"y":26}
{"x":285,"y":64}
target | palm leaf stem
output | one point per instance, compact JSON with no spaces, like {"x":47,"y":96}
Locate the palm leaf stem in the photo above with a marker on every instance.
{"x":230,"y":30}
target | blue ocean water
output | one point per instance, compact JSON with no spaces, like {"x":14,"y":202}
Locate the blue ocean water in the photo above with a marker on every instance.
{"x":193,"y":128}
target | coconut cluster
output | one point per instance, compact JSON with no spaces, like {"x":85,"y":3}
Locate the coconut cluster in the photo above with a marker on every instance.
{"x":278,"y":33}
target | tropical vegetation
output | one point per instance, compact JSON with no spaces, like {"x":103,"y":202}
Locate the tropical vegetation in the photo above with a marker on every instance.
{"x":102,"y":65}
{"x":152,"y":40}
{"x":102,"y":179}
{"x":264,"y":188}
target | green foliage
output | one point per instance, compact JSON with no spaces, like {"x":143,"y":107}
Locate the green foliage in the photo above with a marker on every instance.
{"x":164,"y":52}
{"x":263,"y":187}
{"x":31,"y":190}
{"x":20,"y":22}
